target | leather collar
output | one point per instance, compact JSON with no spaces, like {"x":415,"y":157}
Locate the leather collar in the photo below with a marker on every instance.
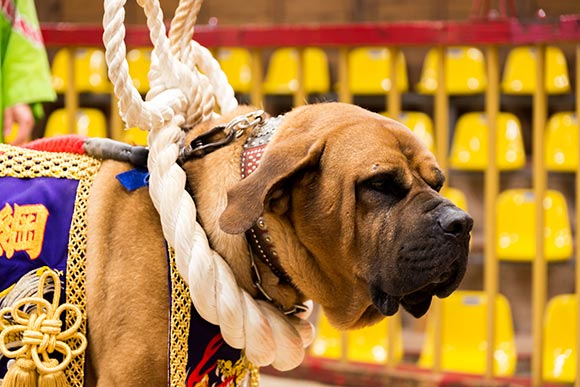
{"x":258,"y":236}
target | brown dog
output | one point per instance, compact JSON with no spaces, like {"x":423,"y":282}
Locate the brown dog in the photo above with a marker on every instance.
{"x":352,"y":206}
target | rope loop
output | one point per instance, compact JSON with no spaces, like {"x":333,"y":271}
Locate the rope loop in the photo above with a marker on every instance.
{"x":187,"y":87}
{"x":178,"y":64}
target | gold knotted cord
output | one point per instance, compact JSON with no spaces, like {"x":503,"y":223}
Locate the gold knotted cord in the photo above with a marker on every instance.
{"x":41,"y":334}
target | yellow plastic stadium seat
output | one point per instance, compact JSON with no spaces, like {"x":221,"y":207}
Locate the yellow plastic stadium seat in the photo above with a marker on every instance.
{"x":560,"y":333}
{"x":420,"y":124}
{"x":519,"y":75}
{"x":456,"y":196}
{"x":282,"y":74}
{"x":139,"y":61}
{"x":12,"y":135}
{"x":235,"y":62}
{"x":90,"y":71}
{"x":562,"y":142}
{"x":516,"y":226}
{"x":470,"y":143}
{"x":464,"y":71}
{"x":89,"y":122}
{"x":463,"y":336}
{"x":367,"y":345}
{"x":369,"y":71}
{"x":135,"y":136}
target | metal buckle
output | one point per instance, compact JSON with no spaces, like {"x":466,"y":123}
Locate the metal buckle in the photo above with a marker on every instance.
{"x":203,"y":144}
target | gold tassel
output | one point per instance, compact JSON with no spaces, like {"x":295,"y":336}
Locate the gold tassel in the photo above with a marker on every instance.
{"x":51,"y":379}
{"x":21,"y":374}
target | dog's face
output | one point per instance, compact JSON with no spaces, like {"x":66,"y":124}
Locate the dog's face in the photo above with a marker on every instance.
{"x":359,"y":193}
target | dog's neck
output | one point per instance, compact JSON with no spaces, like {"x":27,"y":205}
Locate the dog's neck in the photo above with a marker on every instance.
{"x":209,"y":176}
{"x":259,"y":238}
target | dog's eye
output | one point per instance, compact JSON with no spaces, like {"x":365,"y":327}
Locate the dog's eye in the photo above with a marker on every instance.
{"x":440,"y":180}
{"x":437,"y":187}
{"x":387,"y":184}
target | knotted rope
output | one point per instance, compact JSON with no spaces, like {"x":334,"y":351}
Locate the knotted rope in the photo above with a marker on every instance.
{"x":38,"y":334}
{"x":186,"y":81}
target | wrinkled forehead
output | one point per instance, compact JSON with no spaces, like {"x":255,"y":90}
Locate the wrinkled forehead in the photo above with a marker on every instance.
{"x":418,"y":155}
{"x":405,"y":152}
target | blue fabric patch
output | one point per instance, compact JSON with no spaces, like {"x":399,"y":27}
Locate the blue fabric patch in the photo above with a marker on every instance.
{"x":134,"y":179}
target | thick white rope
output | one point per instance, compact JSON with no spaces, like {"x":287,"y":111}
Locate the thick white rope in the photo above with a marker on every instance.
{"x":181,"y":96}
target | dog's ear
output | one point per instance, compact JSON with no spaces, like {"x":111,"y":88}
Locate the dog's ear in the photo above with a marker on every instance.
{"x":247,"y":199}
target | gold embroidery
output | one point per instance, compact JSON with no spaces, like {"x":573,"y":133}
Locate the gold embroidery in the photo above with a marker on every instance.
{"x":24,"y":163}
{"x":22,"y":229}
{"x":238,"y":370}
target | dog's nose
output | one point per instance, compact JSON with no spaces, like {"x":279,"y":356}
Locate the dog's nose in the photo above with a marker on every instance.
{"x":455,"y":222}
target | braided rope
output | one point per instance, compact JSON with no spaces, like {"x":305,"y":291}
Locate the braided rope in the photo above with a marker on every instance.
{"x":182,"y":96}
{"x":182,"y":25}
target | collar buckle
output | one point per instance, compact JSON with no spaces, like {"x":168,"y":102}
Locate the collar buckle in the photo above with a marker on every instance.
{"x":207,"y":143}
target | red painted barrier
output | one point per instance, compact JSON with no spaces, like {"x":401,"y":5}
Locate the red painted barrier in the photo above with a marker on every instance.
{"x":476,"y":32}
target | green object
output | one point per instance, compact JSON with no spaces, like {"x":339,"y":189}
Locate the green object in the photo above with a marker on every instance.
{"x":24,"y":68}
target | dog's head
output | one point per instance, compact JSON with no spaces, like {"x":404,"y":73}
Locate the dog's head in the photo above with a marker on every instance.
{"x":360,"y":194}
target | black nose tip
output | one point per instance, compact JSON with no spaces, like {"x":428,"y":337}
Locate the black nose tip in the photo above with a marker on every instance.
{"x":455,"y":222}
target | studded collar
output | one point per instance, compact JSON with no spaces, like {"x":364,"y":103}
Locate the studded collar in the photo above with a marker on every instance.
{"x":258,"y":236}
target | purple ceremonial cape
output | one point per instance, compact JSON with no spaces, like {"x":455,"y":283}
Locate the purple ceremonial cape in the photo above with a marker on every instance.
{"x":35,"y":219}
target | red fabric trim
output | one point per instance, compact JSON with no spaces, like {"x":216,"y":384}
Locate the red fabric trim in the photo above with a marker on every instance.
{"x":197,"y":375}
{"x":72,"y":143}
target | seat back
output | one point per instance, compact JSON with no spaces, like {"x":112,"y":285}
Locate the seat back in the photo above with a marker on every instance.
{"x":135,"y":136}
{"x":90,"y":71}
{"x":561,"y":149}
{"x":10,"y":137}
{"x":282,"y":73}
{"x":366,"y":345}
{"x":464,"y":71}
{"x":469,"y":147}
{"x":516,"y":226}
{"x":456,"y":196}
{"x":519,"y":74}
{"x":463,"y":335}
{"x":560,"y":333}
{"x":89,"y":122}
{"x":236,"y":64}
{"x":420,"y":124}
{"x":139,"y":61}
{"x":369,"y":71}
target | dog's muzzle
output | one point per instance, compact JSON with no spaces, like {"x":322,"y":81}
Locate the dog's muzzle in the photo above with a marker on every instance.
{"x":430,"y":264}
